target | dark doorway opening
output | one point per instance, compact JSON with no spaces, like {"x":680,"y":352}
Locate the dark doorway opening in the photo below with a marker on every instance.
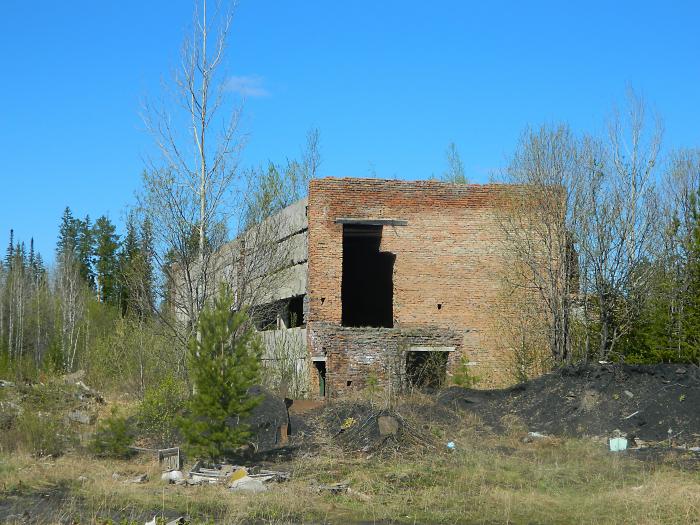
{"x":367,"y":288}
{"x":321,"y":372}
{"x":426,"y":370}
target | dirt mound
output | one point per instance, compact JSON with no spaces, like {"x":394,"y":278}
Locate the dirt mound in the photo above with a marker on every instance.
{"x":650,"y":402}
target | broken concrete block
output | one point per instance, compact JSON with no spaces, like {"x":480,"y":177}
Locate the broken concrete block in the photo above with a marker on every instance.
{"x":172,"y":476}
{"x":248,"y":484}
{"x":388,"y":426}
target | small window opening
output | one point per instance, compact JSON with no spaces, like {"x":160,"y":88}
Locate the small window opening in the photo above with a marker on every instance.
{"x":426,"y":370}
{"x":321,"y":371}
{"x":439,"y":306}
{"x":367,"y":285}
{"x":280,"y":315}
{"x":349,"y":383}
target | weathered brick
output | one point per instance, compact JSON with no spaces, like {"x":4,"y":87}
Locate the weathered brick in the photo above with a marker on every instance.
{"x":450,"y":253}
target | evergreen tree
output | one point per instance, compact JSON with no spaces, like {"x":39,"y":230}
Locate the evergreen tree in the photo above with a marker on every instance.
{"x":67,"y":234}
{"x":106,"y":262}
{"x":86,"y":250}
{"x":224,"y":365}
{"x":10,"y":249}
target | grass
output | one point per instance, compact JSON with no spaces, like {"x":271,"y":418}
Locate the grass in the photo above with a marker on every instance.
{"x":488,"y":479}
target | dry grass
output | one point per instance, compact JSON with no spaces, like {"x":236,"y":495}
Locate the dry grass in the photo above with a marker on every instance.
{"x":488,"y":479}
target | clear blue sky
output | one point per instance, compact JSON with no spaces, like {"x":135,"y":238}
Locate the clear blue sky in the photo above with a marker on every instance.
{"x":389,"y":85}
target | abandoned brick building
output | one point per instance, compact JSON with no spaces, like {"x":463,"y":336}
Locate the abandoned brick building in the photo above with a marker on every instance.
{"x":385,"y":274}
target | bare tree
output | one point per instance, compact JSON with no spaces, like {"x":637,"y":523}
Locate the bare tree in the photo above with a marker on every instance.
{"x":187,"y":194}
{"x":71,"y":292}
{"x":619,"y":224}
{"x":455,"y":167}
{"x":542,"y":210}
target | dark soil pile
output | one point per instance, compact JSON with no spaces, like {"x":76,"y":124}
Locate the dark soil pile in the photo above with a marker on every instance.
{"x":650,"y":402}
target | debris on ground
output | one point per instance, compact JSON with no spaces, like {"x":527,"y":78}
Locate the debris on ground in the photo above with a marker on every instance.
{"x":142,"y":478}
{"x":248,"y":484}
{"x":232,"y":475}
{"x":333,"y":488}
{"x":361,"y":427}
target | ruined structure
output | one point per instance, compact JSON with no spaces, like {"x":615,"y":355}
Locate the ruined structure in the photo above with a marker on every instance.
{"x":387,"y":276}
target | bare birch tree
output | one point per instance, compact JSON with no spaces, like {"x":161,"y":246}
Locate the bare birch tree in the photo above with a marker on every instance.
{"x":619,"y":223}
{"x":187,"y":194}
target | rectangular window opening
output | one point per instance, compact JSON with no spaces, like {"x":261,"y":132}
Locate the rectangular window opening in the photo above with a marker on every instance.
{"x":367,"y":291}
{"x":280,"y":315}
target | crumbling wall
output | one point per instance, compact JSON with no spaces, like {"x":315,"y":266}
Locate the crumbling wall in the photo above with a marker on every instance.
{"x":353,"y":355}
{"x":448,"y":240}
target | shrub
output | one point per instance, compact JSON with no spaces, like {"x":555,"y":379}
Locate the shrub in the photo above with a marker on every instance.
{"x":463,"y":376}
{"x":159,"y":411}
{"x":41,"y":434}
{"x":113,"y":437}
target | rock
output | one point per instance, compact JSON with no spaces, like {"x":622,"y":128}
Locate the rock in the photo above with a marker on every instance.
{"x":89,"y":393}
{"x":248,"y":484}
{"x":82,"y":479}
{"x":334,"y":488}
{"x":115,"y":476}
{"x":629,"y":394}
{"x":533,"y":436}
{"x":388,"y":426}
{"x":82,"y":417}
{"x":172,"y":476}
{"x":6,"y":384}
{"x":177,"y":521}
{"x":143,"y":478}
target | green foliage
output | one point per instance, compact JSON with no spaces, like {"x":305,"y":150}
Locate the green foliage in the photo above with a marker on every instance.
{"x":107,"y":243}
{"x":463,"y":376}
{"x":113,"y":437}
{"x":42,"y":434}
{"x":224,"y":363}
{"x":158,"y":413}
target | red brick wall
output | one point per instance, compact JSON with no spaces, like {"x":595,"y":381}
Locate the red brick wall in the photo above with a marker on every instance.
{"x":449,"y":253}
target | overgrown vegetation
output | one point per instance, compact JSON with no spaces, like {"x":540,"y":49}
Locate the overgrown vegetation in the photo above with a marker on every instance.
{"x":487,"y":478}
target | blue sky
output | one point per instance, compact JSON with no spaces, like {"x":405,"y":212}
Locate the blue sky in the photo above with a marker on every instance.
{"x":389,"y":85}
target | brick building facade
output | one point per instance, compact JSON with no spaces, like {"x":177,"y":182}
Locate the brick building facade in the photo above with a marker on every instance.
{"x":401,"y":270}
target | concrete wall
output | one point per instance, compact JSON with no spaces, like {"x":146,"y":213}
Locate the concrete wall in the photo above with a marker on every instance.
{"x":449,"y":253}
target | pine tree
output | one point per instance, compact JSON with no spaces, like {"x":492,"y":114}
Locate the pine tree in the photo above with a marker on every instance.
{"x":106,"y":262}
{"x":224,"y":365}
{"x":10,"y":250}
{"x":86,"y":250}
{"x":67,"y":234}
